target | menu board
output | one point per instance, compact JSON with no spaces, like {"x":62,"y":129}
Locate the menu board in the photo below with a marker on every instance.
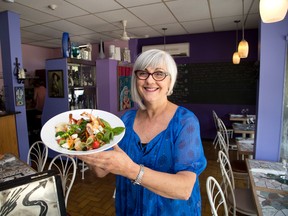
{"x":216,"y":83}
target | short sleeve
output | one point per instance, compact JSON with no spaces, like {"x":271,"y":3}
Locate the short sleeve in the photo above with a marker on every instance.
{"x":189,"y":153}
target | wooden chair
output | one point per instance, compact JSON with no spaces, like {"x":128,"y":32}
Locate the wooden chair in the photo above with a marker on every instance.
{"x":37,"y":155}
{"x":239,"y":200}
{"x":216,"y":197}
{"x":67,"y":167}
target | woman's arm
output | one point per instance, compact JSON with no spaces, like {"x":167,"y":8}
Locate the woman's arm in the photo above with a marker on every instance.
{"x":175,"y":186}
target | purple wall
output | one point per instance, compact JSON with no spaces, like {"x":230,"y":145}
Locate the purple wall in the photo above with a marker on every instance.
{"x":271,"y":89}
{"x":107,"y":86}
{"x":11,"y":49}
{"x":54,"y":106}
{"x":207,"y":47}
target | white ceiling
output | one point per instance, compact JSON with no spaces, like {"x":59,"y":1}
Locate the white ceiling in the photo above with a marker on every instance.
{"x":88,"y":21}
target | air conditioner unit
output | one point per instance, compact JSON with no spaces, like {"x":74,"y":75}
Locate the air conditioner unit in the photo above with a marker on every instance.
{"x":176,"y":50}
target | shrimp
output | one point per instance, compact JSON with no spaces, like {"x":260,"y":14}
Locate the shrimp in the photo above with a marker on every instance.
{"x":93,"y":127}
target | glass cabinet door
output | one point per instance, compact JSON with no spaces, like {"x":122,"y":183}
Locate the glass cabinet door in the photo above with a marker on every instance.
{"x":82,"y":89}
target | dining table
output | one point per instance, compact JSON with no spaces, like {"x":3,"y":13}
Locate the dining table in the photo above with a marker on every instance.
{"x":11,"y":167}
{"x":245,"y":147}
{"x":244,"y":129}
{"x":242,"y":117}
{"x":269,"y":184}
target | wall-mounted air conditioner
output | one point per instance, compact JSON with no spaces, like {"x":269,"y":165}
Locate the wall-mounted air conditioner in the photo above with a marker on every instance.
{"x":176,"y":50}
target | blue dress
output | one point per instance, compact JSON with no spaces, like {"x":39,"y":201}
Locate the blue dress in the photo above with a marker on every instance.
{"x":175,"y":149}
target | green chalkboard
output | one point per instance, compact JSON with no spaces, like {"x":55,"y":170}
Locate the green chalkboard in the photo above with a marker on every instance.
{"x":216,"y":83}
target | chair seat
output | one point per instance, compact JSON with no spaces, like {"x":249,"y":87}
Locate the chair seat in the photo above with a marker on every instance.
{"x":239,"y":166}
{"x":244,"y":201}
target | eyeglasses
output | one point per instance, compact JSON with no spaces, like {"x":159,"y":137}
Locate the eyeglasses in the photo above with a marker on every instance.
{"x":157,"y":75}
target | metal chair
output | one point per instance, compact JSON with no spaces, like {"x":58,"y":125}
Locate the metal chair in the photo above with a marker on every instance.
{"x":239,"y":167}
{"x":216,"y":197}
{"x":238,"y":199}
{"x":37,"y":155}
{"x":67,"y":167}
{"x":218,"y":129}
{"x":227,"y":135}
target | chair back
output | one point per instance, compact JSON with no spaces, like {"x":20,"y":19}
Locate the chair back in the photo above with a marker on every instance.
{"x":223,"y":130}
{"x":215,"y":117}
{"x":216,"y":197}
{"x":66,"y":166}
{"x":228,"y":179}
{"x":37,"y":155}
{"x":223,"y":145}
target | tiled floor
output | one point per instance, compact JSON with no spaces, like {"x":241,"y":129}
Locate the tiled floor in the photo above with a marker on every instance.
{"x":93,"y":196}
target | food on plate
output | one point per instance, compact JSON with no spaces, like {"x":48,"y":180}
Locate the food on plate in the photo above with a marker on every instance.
{"x":87,"y":133}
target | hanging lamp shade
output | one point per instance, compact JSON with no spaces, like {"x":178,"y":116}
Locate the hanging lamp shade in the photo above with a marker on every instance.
{"x":236,"y":58}
{"x":243,"y":47}
{"x":273,"y":10}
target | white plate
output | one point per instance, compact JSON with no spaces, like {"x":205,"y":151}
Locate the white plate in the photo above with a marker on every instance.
{"x":48,"y":130}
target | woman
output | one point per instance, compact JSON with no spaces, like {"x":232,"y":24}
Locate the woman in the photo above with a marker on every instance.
{"x":159,"y":159}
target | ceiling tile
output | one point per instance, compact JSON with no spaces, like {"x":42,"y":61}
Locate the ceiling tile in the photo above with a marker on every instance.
{"x":92,"y":22}
{"x":188,"y":10}
{"x":129,"y":3}
{"x":24,"y":23}
{"x":63,"y":9}
{"x":43,"y":30}
{"x":143,"y":32}
{"x":69,"y":27}
{"x":172,"y":29}
{"x":94,"y":6}
{"x":34,"y":36}
{"x":27,"y":13}
{"x":201,"y":26}
{"x":226,"y":23}
{"x":154,"y":14}
{"x":117,"y":16}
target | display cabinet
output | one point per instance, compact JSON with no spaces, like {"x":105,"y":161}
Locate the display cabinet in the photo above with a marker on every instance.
{"x":76,"y":83}
{"x":81,"y":86}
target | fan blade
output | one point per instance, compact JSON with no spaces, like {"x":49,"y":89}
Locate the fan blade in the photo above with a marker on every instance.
{"x":124,"y":35}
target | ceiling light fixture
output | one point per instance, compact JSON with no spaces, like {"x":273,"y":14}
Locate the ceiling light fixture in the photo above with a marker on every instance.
{"x":52,"y":6}
{"x":9,"y":1}
{"x":236,"y":57}
{"x":164,"y":42}
{"x":243,"y":47}
{"x":273,"y":11}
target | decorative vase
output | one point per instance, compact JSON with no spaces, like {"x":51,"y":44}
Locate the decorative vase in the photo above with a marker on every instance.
{"x":101,"y":50}
{"x":66,"y":45}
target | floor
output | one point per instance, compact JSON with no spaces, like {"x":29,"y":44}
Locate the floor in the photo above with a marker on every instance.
{"x":93,"y":196}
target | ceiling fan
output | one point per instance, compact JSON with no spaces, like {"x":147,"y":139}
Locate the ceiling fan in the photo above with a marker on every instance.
{"x":125,"y":36}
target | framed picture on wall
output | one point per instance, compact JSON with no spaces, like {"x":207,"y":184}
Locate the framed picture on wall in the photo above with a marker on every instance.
{"x":55,"y":84}
{"x":19,"y":96}
{"x":124,"y":84}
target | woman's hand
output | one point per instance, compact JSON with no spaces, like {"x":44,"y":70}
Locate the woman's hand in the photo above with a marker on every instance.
{"x":115,"y":161}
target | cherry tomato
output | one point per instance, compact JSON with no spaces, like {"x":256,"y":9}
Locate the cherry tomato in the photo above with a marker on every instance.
{"x":95,"y":144}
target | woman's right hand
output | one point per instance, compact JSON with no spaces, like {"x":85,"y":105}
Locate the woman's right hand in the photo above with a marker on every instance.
{"x":115,"y":161}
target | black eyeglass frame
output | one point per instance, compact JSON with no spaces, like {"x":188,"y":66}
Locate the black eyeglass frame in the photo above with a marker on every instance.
{"x":152,"y":74}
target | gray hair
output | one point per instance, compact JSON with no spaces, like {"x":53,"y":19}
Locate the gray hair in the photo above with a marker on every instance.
{"x":153,"y":58}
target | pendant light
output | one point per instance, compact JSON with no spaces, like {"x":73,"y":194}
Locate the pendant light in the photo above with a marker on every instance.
{"x":273,"y":10}
{"x":164,"y":30}
{"x":236,"y":57}
{"x":243,"y":47}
